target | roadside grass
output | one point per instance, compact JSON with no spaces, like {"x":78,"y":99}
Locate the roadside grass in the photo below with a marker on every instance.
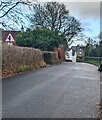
{"x":92,"y":61}
{"x":26,"y":68}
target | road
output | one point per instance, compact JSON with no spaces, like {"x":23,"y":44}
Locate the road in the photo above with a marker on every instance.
{"x":68,"y":90}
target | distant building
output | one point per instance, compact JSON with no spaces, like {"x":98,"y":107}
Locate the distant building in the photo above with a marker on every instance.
{"x":78,"y":49}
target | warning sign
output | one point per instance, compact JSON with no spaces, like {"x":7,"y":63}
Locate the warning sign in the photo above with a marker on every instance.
{"x":10,"y":38}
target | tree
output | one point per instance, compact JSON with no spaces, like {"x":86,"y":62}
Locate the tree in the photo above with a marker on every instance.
{"x":11,"y":10}
{"x":43,"y":39}
{"x":92,"y":48}
{"x":100,"y":42}
{"x":100,"y":36}
{"x":55,"y":16}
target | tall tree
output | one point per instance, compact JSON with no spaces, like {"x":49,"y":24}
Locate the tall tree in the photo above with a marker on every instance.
{"x":55,"y":16}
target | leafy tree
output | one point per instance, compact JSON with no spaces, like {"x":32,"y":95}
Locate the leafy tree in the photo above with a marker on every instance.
{"x":95,"y":52}
{"x":55,"y":16}
{"x":92,"y":49}
{"x":100,"y":37}
{"x":43,"y":39}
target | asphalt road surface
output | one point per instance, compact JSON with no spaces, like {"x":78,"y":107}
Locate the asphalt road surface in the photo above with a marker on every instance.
{"x":68,"y":90}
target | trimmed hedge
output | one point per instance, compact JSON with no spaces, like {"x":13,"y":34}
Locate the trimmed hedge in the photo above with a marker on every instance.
{"x":19,"y":59}
{"x":50,"y":57}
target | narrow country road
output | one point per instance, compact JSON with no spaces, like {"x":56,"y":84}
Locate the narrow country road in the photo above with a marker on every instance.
{"x":68,"y":90}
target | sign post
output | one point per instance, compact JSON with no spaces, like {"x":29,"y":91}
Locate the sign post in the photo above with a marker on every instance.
{"x":10,"y":39}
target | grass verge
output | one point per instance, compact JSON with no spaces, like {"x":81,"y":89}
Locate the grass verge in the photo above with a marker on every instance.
{"x":93,"y":61}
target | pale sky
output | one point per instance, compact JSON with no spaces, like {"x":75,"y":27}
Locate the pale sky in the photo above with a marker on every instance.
{"x":89,"y":15}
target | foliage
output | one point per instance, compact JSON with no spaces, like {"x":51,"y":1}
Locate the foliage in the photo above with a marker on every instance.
{"x":43,"y":39}
{"x":20,"y":59}
{"x":50,"y":57}
{"x":92,"y":48}
{"x":100,"y":37}
{"x":55,"y":16}
{"x":25,"y":68}
{"x":95,"y":52}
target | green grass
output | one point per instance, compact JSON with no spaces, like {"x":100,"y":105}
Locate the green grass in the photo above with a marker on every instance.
{"x":93,"y":61}
{"x":25,"y":68}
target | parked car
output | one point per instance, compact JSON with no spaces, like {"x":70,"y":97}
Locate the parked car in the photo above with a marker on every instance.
{"x":67,"y":57}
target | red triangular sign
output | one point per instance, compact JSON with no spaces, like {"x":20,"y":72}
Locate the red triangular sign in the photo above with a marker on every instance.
{"x":10,"y":38}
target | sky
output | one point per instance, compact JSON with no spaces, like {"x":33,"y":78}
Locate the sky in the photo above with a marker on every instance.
{"x":89,"y":15}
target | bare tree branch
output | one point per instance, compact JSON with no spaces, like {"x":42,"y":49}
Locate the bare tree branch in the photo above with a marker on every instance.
{"x":12,"y":10}
{"x":9,"y":10}
{"x":55,"y":16}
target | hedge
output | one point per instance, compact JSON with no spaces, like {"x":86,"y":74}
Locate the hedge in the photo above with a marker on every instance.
{"x":19,"y":59}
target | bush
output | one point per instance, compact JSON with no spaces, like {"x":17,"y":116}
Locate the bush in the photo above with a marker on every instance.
{"x":50,"y":57}
{"x":43,"y":39}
